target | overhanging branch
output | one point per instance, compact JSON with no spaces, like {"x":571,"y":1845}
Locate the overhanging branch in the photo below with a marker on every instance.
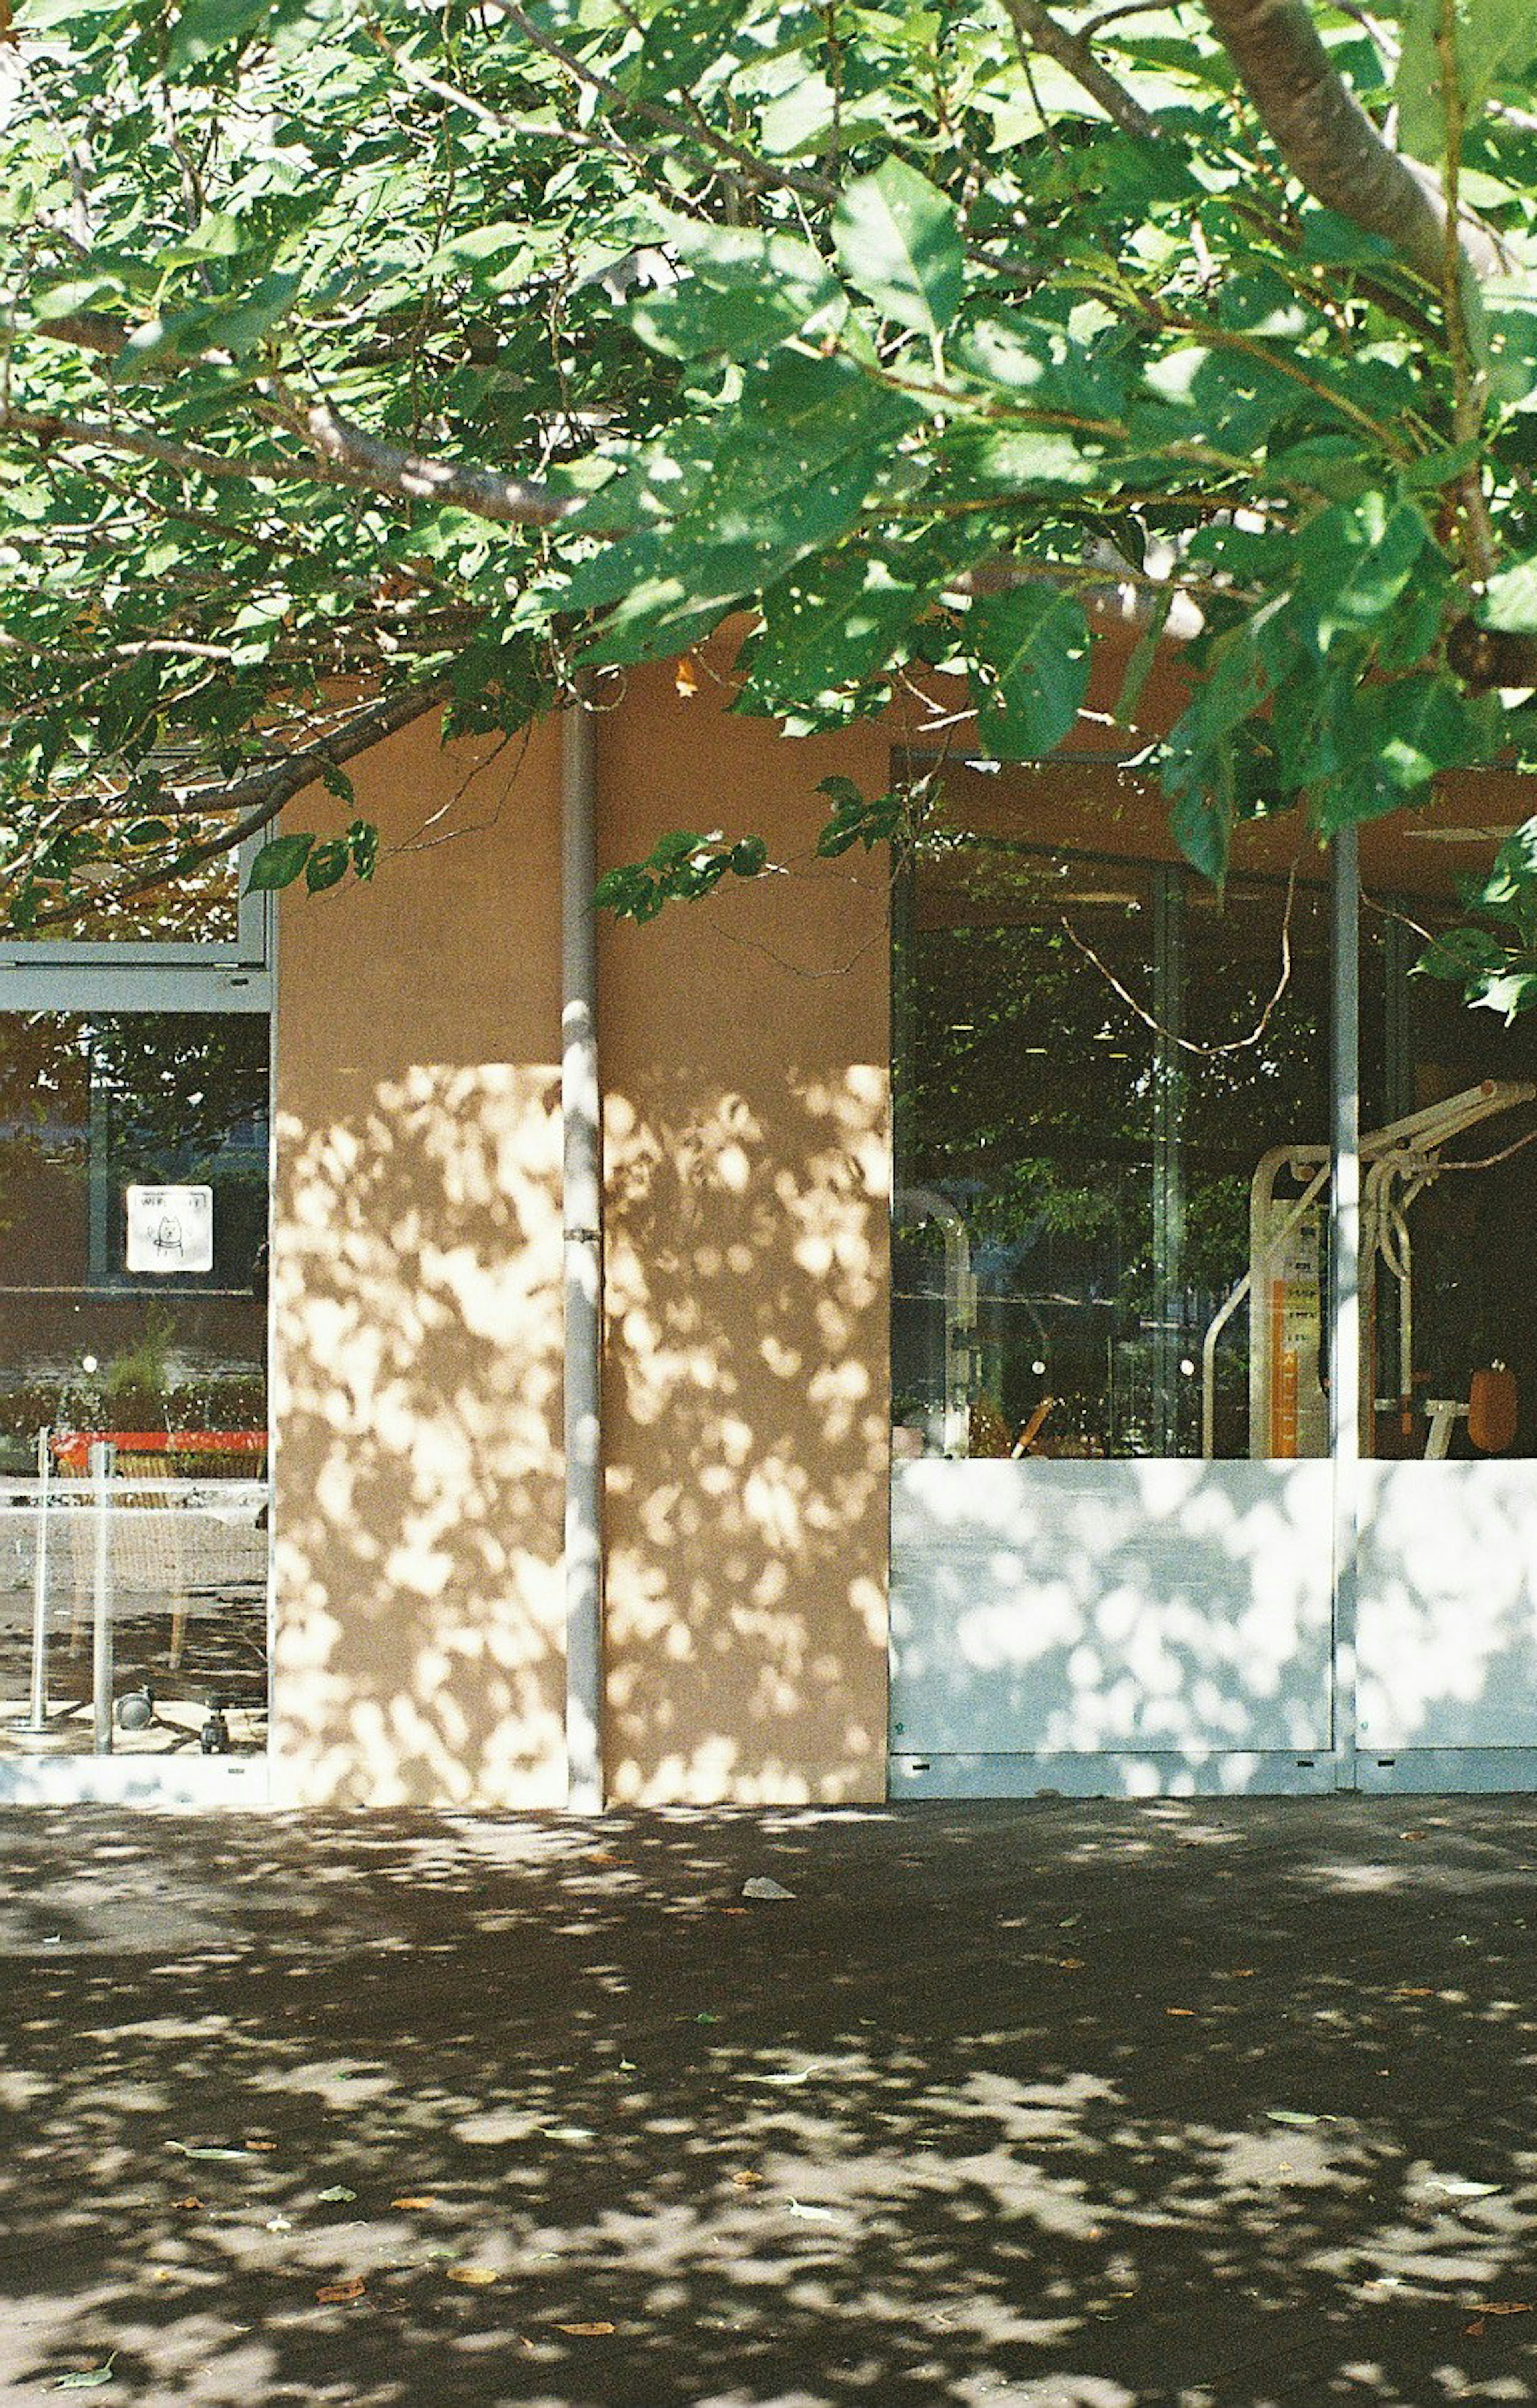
{"x":1329,"y":141}
{"x":1037,"y":27}
{"x":255,"y":800}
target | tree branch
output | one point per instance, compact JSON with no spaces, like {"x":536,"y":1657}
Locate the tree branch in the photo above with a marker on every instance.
{"x":356,"y":458}
{"x":1329,"y":143}
{"x":1038,"y":30}
{"x":257,"y":798}
{"x":45,"y":428}
{"x":341,"y":454}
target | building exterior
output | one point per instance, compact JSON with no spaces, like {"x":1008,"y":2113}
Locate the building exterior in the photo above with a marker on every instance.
{"x":945,"y":1450}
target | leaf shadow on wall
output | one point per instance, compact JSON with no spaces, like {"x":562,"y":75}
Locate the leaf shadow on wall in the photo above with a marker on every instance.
{"x":420,"y":1645}
{"x":747,"y":1436}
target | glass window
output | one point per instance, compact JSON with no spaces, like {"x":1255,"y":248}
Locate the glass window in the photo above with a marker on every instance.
{"x":134,"y":1183}
{"x":1108,"y":1079}
{"x":1449,"y":1272}
{"x":188,"y":917}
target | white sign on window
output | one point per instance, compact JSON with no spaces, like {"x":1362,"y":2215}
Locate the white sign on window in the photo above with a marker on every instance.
{"x":170,"y":1229}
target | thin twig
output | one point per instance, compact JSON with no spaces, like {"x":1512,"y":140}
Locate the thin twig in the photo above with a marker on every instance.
{"x":1188,"y":1044}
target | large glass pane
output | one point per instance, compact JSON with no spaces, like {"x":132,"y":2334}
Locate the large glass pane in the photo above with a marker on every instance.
{"x":133,"y":1393}
{"x":1023,"y":1272}
{"x":1110,"y":1108}
{"x":1254,"y":1120}
{"x":1449,"y":1113}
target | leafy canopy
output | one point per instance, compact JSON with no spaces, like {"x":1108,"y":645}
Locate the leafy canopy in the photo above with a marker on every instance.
{"x":365,"y":358}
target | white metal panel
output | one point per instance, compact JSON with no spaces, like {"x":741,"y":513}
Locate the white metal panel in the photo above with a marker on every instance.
{"x":1052,"y":1607}
{"x":1448,"y":1618}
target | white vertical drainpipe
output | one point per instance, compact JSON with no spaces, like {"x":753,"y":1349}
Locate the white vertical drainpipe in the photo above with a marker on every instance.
{"x":1344,"y":1395}
{"x":582,"y":1218}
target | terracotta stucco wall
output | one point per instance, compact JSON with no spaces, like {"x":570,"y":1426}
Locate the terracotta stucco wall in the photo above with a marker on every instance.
{"x":744,"y":1045}
{"x":416,"y":1272}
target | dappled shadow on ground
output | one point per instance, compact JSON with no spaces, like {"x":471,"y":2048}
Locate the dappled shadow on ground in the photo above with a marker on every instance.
{"x":1096,"y":2106}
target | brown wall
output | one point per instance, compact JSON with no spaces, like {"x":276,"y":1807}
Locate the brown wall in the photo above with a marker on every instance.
{"x":744,"y":1045}
{"x":416,"y":1276}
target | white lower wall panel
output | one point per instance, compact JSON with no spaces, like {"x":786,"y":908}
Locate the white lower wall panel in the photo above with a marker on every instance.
{"x":1071,"y":1609}
{"x":1447,"y":1620}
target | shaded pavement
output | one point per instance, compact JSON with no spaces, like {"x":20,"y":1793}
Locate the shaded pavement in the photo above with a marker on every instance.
{"x":1179,"y":2105}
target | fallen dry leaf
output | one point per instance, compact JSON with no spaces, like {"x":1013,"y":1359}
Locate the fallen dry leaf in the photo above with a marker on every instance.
{"x":1471,"y":2332}
{"x":332,"y":2294}
{"x":1179,"y":2011}
{"x":746,"y":2179}
{"x":474,"y":2275}
{"x":410,"y":2201}
{"x":1406,"y":1990}
{"x":260,"y":2146}
{"x":1069,"y":1964}
{"x":585,"y":2333}
{"x":1502,"y":2307}
{"x":189,"y":2201}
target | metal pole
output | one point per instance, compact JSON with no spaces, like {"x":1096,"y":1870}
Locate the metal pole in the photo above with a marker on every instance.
{"x":37,"y":1719}
{"x":582,"y":1212}
{"x":1168,"y":1165}
{"x":1345,"y":1298}
{"x":101,"y":1637}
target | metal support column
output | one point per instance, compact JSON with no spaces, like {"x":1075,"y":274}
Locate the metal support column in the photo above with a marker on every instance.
{"x":37,"y":1718}
{"x":102,"y":1452}
{"x":1344,"y":1295}
{"x":98,"y":1190}
{"x":1167,"y":1157}
{"x":582,"y":1211}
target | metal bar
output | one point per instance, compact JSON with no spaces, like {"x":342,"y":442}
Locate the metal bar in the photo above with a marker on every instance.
{"x":37,"y":1718}
{"x":101,"y":1600}
{"x":98,"y":1193}
{"x":582,"y":1211}
{"x":1261,"y":1259}
{"x":1344,"y":1398}
{"x":1168,"y":1155}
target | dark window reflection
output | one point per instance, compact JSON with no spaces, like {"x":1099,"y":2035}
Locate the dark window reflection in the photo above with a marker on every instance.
{"x":88,"y":1110}
{"x":1076,"y":1168}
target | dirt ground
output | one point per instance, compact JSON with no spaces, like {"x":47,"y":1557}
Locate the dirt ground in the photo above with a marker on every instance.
{"x":1178,"y":2105}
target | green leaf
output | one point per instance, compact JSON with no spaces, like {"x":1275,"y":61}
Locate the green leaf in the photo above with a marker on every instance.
{"x":1200,"y":821}
{"x":682,"y":41}
{"x":90,"y":2378}
{"x":279,"y":864}
{"x":1507,"y":991}
{"x":1510,"y":600}
{"x":1460,"y":954}
{"x":1033,"y":649}
{"x":327,"y":865}
{"x":1493,"y":40}
{"x":827,"y":627}
{"x":1354,"y":561}
{"x":238,"y":327}
{"x":77,"y":293}
{"x":1512,"y":874}
{"x":744,"y":293}
{"x":899,"y":241}
{"x":206,"y":28}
